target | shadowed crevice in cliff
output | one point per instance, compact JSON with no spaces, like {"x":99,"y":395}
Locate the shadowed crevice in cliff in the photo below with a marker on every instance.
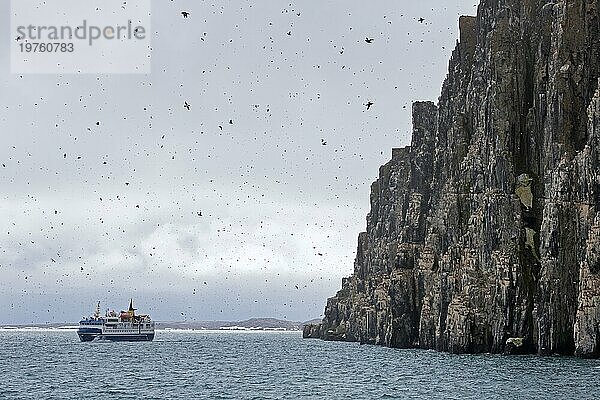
{"x":484,"y":235}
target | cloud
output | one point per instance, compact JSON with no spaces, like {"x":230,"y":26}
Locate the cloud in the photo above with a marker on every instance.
{"x":252,"y":258}
{"x":104,"y":177}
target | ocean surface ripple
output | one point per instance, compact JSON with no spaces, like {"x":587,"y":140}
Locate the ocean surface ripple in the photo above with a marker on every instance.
{"x":272,"y":365}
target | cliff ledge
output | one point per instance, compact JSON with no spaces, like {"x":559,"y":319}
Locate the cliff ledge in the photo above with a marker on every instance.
{"x":484,"y":234}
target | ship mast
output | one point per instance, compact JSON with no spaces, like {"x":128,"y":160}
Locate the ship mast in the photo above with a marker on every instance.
{"x":97,"y":312}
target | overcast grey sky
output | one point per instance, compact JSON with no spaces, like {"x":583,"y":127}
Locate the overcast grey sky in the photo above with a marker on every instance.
{"x":110,"y":211}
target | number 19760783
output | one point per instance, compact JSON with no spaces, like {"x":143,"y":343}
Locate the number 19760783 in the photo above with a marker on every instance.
{"x":36,"y":47}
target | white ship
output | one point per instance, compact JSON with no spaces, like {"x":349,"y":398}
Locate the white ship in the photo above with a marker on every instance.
{"x":126,"y":326}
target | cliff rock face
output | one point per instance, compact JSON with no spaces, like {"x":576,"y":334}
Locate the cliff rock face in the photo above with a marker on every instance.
{"x":484,"y":234}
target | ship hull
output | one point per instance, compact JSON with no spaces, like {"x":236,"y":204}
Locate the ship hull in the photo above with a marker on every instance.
{"x":143,"y":337}
{"x":87,"y":334}
{"x":87,"y":337}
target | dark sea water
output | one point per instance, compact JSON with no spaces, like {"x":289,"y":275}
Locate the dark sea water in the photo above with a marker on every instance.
{"x":269,"y":365}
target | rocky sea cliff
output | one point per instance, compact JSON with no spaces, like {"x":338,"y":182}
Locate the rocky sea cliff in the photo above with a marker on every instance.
{"x":484,"y":234}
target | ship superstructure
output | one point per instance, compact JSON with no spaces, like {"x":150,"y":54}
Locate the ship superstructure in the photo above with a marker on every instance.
{"x":123,"y":326}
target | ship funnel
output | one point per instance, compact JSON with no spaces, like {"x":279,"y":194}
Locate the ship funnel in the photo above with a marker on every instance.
{"x":131,"y":309}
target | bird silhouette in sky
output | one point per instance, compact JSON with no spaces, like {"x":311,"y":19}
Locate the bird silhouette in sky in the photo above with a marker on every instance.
{"x":369,"y":104}
{"x":185,"y":14}
{"x":421,"y":20}
{"x":369,"y":40}
{"x":187,"y":106}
